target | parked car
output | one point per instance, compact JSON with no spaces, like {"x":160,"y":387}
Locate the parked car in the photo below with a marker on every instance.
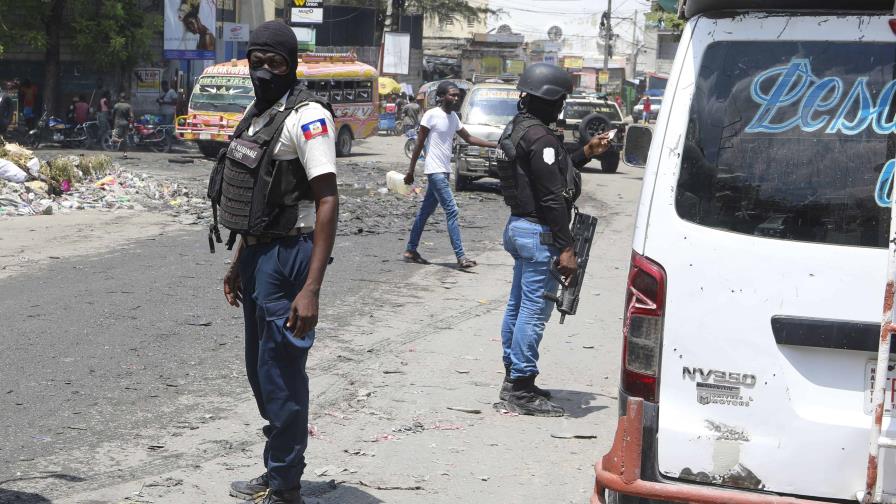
{"x":486,"y":111}
{"x":750,"y":369}
{"x":585,"y":116}
{"x":655,"y":105}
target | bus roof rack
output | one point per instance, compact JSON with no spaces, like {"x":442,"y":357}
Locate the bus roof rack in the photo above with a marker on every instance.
{"x":693,"y":8}
{"x":346,"y":57}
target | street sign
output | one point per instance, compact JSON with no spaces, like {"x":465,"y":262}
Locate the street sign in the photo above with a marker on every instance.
{"x":235,"y":32}
{"x":573,"y":62}
{"x":603,"y":77}
{"x":306,"y":15}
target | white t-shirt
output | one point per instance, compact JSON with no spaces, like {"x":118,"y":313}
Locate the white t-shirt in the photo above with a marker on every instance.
{"x":305,"y":137}
{"x":440,"y":141}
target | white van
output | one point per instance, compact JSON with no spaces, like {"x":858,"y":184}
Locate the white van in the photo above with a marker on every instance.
{"x":759,"y":261}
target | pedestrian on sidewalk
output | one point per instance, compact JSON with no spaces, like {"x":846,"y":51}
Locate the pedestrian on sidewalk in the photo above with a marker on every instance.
{"x":122,"y":118}
{"x":648,"y":108}
{"x":167,"y":102}
{"x":438,"y":126}
{"x":540,"y":185}
{"x":279,"y":168}
{"x":102,"y":115}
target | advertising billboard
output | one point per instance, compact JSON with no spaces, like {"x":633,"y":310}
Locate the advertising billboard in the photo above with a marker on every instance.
{"x":190,"y":29}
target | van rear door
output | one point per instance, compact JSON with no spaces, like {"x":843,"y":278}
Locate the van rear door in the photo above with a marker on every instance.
{"x":770,"y":173}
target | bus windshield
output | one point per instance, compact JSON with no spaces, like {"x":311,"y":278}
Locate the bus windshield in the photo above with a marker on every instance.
{"x":222,"y":94}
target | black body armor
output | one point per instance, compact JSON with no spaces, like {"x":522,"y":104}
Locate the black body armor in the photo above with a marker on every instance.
{"x":519,"y":196}
{"x":256,"y":194}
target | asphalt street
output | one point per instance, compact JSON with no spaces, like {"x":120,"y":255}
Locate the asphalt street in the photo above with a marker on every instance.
{"x":109,"y":360}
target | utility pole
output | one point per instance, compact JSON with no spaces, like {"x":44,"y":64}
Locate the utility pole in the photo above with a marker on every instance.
{"x":608,"y":35}
{"x":635,"y":48}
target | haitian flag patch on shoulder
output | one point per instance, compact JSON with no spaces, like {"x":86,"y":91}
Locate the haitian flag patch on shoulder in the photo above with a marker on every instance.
{"x":315,"y":129}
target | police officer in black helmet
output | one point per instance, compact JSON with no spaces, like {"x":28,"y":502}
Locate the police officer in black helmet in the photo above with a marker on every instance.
{"x":540,"y":183}
{"x":273,"y":187}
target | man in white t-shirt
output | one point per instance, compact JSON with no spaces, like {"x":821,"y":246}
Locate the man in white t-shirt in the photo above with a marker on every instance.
{"x":437,"y":130}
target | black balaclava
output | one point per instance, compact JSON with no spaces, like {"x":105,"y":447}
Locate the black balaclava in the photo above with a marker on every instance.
{"x":546,"y":111}
{"x":274,"y":37}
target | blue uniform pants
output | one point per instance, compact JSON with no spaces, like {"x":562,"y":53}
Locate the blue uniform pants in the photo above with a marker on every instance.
{"x":272,"y":274}
{"x":527,"y":311}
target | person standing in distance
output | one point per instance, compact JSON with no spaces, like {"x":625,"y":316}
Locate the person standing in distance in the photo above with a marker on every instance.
{"x":122,"y":118}
{"x":438,"y":126}
{"x":167,"y":102}
{"x":278,"y":194}
{"x":540,"y":185}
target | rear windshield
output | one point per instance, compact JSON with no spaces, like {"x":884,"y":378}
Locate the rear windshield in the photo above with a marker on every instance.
{"x":222,"y":94}
{"x":578,"y":110}
{"x":792,"y":141}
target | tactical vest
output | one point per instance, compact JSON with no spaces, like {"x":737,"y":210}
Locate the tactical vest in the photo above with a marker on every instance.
{"x":510,"y":171}
{"x":257,"y":195}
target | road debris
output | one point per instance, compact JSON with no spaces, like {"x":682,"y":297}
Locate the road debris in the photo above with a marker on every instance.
{"x":359,"y":453}
{"x":473,"y":411}
{"x":414,"y":428}
{"x":387,"y":487}
{"x":567,"y":435}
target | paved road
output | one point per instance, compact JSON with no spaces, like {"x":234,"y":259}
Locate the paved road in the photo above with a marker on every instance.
{"x":125,"y":367}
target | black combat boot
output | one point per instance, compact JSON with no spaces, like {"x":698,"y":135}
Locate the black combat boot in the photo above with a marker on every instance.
{"x":505,"y":387}
{"x":248,"y":490}
{"x":522,"y":399}
{"x":280,"y":497}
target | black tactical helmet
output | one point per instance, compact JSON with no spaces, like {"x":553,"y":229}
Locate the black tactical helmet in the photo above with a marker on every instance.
{"x":545,"y":81}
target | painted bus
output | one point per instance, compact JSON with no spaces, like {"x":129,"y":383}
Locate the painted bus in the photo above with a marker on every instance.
{"x":224,"y":91}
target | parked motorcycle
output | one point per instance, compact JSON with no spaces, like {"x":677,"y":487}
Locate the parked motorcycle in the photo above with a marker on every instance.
{"x":51,"y":129}
{"x":411,"y":143}
{"x":154,"y":137}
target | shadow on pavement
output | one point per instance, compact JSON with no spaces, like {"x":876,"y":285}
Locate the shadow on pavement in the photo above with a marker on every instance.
{"x":577,"y":404}
{"x":330,"y":492}
{"x":18,"y":497}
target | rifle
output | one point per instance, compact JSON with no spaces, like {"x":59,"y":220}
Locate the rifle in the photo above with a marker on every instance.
{"x":583,"y":228}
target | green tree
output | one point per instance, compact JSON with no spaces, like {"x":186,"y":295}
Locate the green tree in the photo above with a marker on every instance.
{"x":107,"y":34}
{"x":665,"y":19}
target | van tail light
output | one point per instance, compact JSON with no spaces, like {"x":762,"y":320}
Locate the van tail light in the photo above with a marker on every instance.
{"x":642,"y":330}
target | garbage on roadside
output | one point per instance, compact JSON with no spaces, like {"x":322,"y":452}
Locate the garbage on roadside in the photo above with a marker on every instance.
{"x":65,"y":183}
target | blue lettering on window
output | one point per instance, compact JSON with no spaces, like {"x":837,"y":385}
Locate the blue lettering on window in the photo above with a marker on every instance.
{"x":883,"y":192}
{"x":795,"y":81}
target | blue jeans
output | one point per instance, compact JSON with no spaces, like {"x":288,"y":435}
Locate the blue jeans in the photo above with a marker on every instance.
{"x":271,"y":276}
{"x":438,"y":192}
{"x":527,"y":311}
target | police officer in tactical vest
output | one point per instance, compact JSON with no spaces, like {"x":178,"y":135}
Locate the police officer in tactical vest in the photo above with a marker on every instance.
{"x":275,"y":188}
{"x":540,"y":184}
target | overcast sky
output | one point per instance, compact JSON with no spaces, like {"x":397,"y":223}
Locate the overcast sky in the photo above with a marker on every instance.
{"x":577,"y":18}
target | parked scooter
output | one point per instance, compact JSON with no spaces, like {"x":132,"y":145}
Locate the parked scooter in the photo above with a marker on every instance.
{"x":51,"y":129}
{"x":155,"y":138}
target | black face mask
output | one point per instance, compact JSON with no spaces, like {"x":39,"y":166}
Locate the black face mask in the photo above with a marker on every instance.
{"x":270,"y":87}
{"x":546,"y":111}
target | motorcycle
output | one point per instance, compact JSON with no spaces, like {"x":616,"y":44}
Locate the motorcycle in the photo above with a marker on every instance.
{"x":51,"y":129}
{"x":155,"y":138}
{"x":411,"y":143}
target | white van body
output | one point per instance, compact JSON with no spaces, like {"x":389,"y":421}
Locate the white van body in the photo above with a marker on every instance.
{"x":760,"y":209}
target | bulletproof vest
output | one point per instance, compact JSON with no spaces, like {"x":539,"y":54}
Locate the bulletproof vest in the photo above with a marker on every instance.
{"x":510,"y":170}
{"x":255,"y":194}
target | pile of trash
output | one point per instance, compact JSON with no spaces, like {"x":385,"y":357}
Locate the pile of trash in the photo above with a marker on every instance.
{"x":66,"y":183}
